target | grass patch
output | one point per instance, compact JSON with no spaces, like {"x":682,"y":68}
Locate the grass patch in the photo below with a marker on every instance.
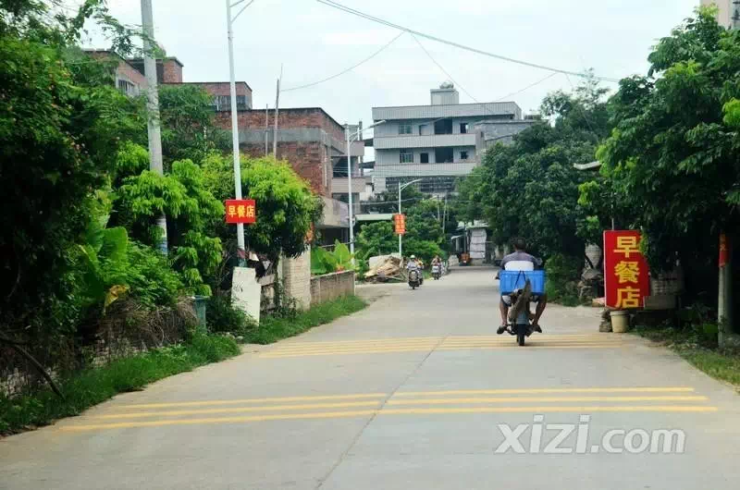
{"x":93,"y":386}
{"x":698,"y":347}
{"x":272,"y":328}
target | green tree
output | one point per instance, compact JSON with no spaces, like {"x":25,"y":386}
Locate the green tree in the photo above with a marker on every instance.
{"x":671,"y":161}
{"x":188,"y":128}
{"x":530,"y":189}
{"x":286,"y":208}
{"x":60,"y":128}
{"x":193,"y":215}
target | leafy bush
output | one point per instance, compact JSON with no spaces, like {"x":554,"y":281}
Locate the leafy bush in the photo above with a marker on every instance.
{"x":326,"y":262}
{"x":563,"y":274}
{"x":223,"y":316}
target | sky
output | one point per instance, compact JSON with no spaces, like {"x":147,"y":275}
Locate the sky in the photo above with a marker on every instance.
{"x":312,"y":41}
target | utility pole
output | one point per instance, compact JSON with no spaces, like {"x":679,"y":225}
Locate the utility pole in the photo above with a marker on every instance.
{"x":153,"y":129}
{"x":267,"y":127}
{"x":349,"y":192}
{"x":277,"y":113}
{"x":241,"y":252}
{"x":727,"y":336}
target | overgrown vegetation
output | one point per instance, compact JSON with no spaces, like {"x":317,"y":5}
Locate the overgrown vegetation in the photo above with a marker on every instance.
{"x":692,"y":333}
{"x":325,"y":262}
{"x":92,"y":386}
{"x":80,"y":262}
{"x":278,"y":327}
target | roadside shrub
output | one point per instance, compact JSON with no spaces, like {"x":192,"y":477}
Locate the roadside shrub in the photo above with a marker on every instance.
{"x":563,"y":273}
{"x":223,"y":316}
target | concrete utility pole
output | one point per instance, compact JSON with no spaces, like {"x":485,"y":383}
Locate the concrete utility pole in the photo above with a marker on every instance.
{"x":277,"y":113}
{"x":242,"y":253}
{"x":725,"y":320}
{"x":153,"y":128}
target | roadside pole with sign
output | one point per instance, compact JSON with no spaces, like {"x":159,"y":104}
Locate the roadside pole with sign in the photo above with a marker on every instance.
{"x":626,"y":272}
{"x":246,"y":292}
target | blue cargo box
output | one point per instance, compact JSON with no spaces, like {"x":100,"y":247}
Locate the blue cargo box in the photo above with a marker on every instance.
{"x":513,"y":280}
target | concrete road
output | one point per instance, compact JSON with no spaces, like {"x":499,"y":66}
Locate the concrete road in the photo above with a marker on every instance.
{"x":415,"y":392}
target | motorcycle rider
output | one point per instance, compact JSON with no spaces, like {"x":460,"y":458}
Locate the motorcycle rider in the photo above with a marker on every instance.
{"x":520,"y":260}
{"x":413,"y":265}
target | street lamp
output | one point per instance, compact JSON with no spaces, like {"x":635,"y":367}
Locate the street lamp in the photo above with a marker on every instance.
{"x":400,"y":189}
{"x":350,"y":139}
{"x":242,"y":254}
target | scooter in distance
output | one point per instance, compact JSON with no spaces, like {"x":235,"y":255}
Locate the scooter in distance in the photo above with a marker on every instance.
{"x":415,"y":279}
{"x":437,"y":271}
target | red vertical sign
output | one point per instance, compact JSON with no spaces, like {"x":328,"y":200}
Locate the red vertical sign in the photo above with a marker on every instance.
{"x":722,"y":250}
{"x":626,"y":273}
{"x":400,"y":221}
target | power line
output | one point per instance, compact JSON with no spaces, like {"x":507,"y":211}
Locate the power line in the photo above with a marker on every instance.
{"x":346,"y":70}
{"x":527,"y":87}
{"x":338,"y":6}
{"x":443,"y":70}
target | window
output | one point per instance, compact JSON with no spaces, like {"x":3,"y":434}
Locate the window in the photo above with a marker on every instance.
{"x":404,"y":128}
{"x":464,"y":128}
{"x":127,"y":88}
{"x":444,"y":155}
{"x":425,"y":158}
{"x":407,"y":156}
{"x":443,"y":126}
{"x":223,"y":102}
{"x":422,"y":128}
{"x":463,"y":155}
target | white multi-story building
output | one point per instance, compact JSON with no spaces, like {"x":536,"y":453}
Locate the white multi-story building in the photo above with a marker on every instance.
{"x":727,"y":10}
{"x":439,"y":142}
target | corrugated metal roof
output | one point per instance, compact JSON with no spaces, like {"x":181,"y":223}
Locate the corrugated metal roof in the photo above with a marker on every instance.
{"x":456,"y":110}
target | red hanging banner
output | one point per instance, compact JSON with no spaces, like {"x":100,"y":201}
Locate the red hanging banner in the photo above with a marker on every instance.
{"x":626,"y":272}
{"x":400,"y":223}
{"x":241,"y":211}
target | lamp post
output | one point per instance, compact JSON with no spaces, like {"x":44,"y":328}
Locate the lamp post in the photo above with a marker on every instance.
{"x":350,"y":139}
{"x":242,"y":254}
{"x":400,"y":189}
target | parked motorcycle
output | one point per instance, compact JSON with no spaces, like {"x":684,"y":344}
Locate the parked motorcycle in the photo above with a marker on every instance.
{"x":415,"y":279}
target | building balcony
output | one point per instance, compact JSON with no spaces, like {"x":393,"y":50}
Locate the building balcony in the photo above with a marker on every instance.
{"x":429,"y":141}
{"x":339,"y":185}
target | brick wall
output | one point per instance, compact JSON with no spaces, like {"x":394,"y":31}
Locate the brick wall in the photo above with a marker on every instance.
{"x":224,"y":88}
{"x":171,"y":70}
{"x":332,"y":286}
{"x":310,"y":160}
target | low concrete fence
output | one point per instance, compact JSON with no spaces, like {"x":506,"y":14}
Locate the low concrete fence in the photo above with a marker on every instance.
{"x":332,"y":286}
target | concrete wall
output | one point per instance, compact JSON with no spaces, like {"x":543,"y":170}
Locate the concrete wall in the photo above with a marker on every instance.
{"x":297,"y":279}
{"x":332,"y":286}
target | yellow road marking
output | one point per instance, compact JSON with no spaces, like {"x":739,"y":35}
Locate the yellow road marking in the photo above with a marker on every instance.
{"x":389,"y":350}
{"x":255,"y":400}
{"x":267,"y":408}
{"x":395,"y":411}
{"x":423,"y":341}
{"x":539,"y":399}
{"x":526,"y":391}
{"x":219,"y":420}
{"x":549,"y":409}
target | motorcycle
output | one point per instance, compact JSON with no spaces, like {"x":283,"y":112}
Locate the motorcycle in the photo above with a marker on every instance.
{"x":436,"y":271}
{"x":521,"y":286}
{"x":415,"y":279}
